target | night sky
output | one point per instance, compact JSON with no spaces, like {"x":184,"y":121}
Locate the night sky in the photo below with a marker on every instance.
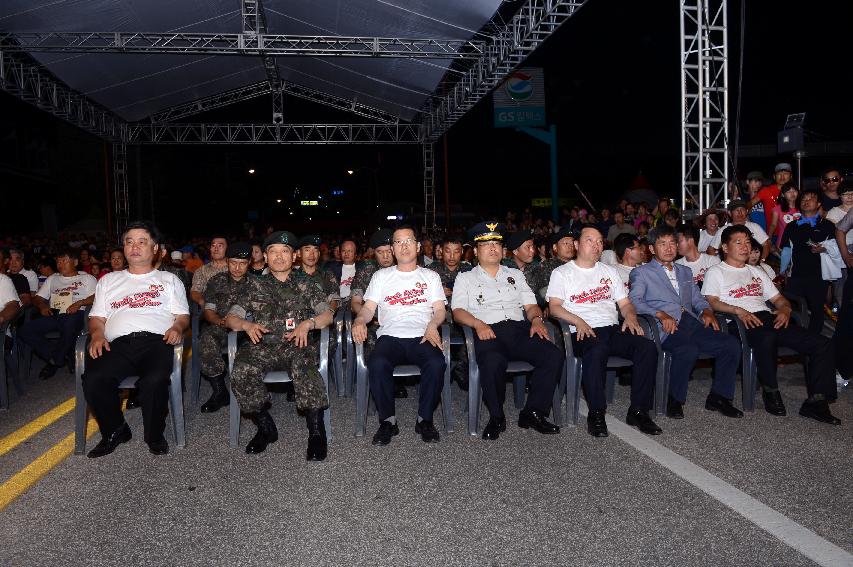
{"x":612,"y":81}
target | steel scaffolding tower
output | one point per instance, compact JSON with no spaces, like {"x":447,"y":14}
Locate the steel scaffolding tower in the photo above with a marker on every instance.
{"x":429,"y":185}
{"x":120,"y":195}
{"x":705,"y":107}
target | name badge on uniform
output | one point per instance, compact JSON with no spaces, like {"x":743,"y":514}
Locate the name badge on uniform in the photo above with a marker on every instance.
{"x":290,"y":324}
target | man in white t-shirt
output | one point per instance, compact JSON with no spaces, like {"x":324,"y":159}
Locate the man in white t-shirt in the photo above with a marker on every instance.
{"x":410,"y":300}
{"x":494,"y":300}
{"x":740,"y":216}
{"x":586,"y":293}
{"x":736,"y":288}
{"x":138,"y":315}
{"x":687,"y":236}
{"x":59,"y":301}
{"x":16,"y":266}
{"x":345,"y":270}
{"x":9,"y":302}
{"x":630,"y":254}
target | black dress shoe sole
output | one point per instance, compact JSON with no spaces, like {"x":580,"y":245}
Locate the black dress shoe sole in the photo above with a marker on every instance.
{"x":829,"y":420}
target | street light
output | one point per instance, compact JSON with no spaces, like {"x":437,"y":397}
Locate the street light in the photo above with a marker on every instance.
{"x":350,"y":172}
{"x":278,"y":200}
{"x":252,"y":171}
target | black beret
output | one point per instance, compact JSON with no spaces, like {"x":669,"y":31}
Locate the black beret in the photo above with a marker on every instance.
{"x":239,"y":250}
{"x":564,"y":232}
{"x":281,"y":237}
{"x":381,"y":237}
{"x":309,"y":240}
{"x":518,"y":238}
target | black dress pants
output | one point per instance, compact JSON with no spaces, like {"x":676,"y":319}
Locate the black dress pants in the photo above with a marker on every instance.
{"x":145,"y":355}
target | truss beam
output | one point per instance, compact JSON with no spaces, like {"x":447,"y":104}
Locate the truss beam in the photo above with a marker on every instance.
{"x":24,"y":78}
{"x":705,"y":107}
{"x":534,"y":22}
{"x":307,"y":134}
{"x":240,"y":44}
{"x":121,"y":198}
{"x":261,"y":88}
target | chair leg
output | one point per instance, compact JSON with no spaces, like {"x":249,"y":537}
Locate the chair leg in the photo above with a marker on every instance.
{"x":195,"y":373}
{"x":327,"y":413}
{"x":750,"y":378}
{"x":233,"y":419}
{"x":661,"y":385}
{"x":611,"y":385}
{"x":473,"y":403}
{"x":4,"y":388}
{"x":519,"y":383}
{"x":446,"y":402}
{"x":80,"y":418}
{"x":556,"y":405}
{"x":573,"y":387}
{"x":350,"y":370}
{"x":176,"y":403}
{"x":361,"y":396}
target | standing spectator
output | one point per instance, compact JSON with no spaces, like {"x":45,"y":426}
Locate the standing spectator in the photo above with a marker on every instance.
{"x":738,"y":210}
{"x":835,"y":215}
{"x":754,"y":183}
{"x":768,"y":195}
{"x":117,"y":261}
{"x":784,"y":212}
{"x":830,"y":180}
{"x":844,"y":329}
{"x":619,"y":227}
{"x":218,"y":264}
{"x":805,"y":237}
{"x":641,"y":216}
{"x":606,"y":221}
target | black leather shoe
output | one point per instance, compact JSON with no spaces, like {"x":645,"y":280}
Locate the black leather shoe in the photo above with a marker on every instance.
{"x":641,"y":420}
{"x":49,"y":371}
{"x":219,"y":398}
{"x":494,"y":428}
{"x":596,"y":424}
{"x":674,"y":409}
{"x":386,"y":431}
{"x":773,"y":403}
{"x":267,"y":433}
{"x":400,"y":391}
{"x":427,"y":431}
{"x":317,"y":445}
{"x":108,"y":444}
{"x":716,"y":402}
{"x":533,"y":419}
{"x":819,"y":410}
{"x":132,"y":399}
{"x":160,"y":447}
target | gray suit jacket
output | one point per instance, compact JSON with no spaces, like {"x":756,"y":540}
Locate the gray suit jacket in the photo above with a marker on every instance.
{"x":651,"y":292}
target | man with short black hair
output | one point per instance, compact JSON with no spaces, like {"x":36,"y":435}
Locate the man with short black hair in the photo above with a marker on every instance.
{"x":221,"y":292}
{"x":687,"y":325}
{"x":738,"y":210}
{"x":137,"y":317}
{"x":16,"y":266}
{"x":698,"y":262}
{"x":20,"y":281}
{"x":59,"y":301}
{"x":586,"y":294}
{"x":451,"y":264}
{"x":619,"y":226}
{"x":563,"y":249}
{"x":805,"y":238}
{"x":770,"y":194}
{"x":309,"y":254}
{"x":741,"y":290}
{"x":754,"y":184}
{"x":630,"y":254}
{"x":410,"y":301}
{"x":217,"y":264}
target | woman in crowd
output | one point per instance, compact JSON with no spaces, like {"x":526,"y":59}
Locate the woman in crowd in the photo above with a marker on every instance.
{"x":784,"y":212}
{"x":710,"y":223}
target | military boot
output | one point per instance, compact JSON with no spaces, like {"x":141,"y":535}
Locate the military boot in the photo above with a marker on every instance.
{"x":219,"y":398}
{"x":267,"y":432}
{"x":317,"y":446}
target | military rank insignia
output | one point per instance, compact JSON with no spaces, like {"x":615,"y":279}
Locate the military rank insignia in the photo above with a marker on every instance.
{"x":290,"y":323}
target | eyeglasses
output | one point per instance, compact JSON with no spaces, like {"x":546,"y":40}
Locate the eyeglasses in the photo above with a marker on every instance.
{"x":831,"y":179}
{"x":406,"y":241}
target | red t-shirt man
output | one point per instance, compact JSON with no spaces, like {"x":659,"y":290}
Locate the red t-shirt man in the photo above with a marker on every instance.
{"x":770,"y":194}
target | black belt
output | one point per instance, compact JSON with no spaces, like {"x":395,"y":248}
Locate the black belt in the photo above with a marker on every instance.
{"x":139,"y":335}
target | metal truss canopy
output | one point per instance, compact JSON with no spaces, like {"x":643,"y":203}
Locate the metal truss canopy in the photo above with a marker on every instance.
{"x":232,"y":96}
{"x":25,"y":79}
{"x":532,"y":24}
{"x":240,"y":44}
{"x":705,"y":107}
{"x":306,"y":134}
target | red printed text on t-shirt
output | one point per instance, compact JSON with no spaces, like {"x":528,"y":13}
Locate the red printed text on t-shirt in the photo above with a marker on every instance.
{"x":140,"y":299}
{"x":752,"y":289}
{"x":409,"y":296}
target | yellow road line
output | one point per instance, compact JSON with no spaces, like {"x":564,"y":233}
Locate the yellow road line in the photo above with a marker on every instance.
{"x":33,"y":472}
{"x":17,"y":437}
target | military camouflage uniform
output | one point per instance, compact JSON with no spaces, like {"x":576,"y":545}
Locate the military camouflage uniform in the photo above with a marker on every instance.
{"x":448,"y":277}
{"x":271,"y":303}
{"x":538,"y":277}
{"x":328,"y":282}
{"x":220,"y":294}
{"x":359,"y":285}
